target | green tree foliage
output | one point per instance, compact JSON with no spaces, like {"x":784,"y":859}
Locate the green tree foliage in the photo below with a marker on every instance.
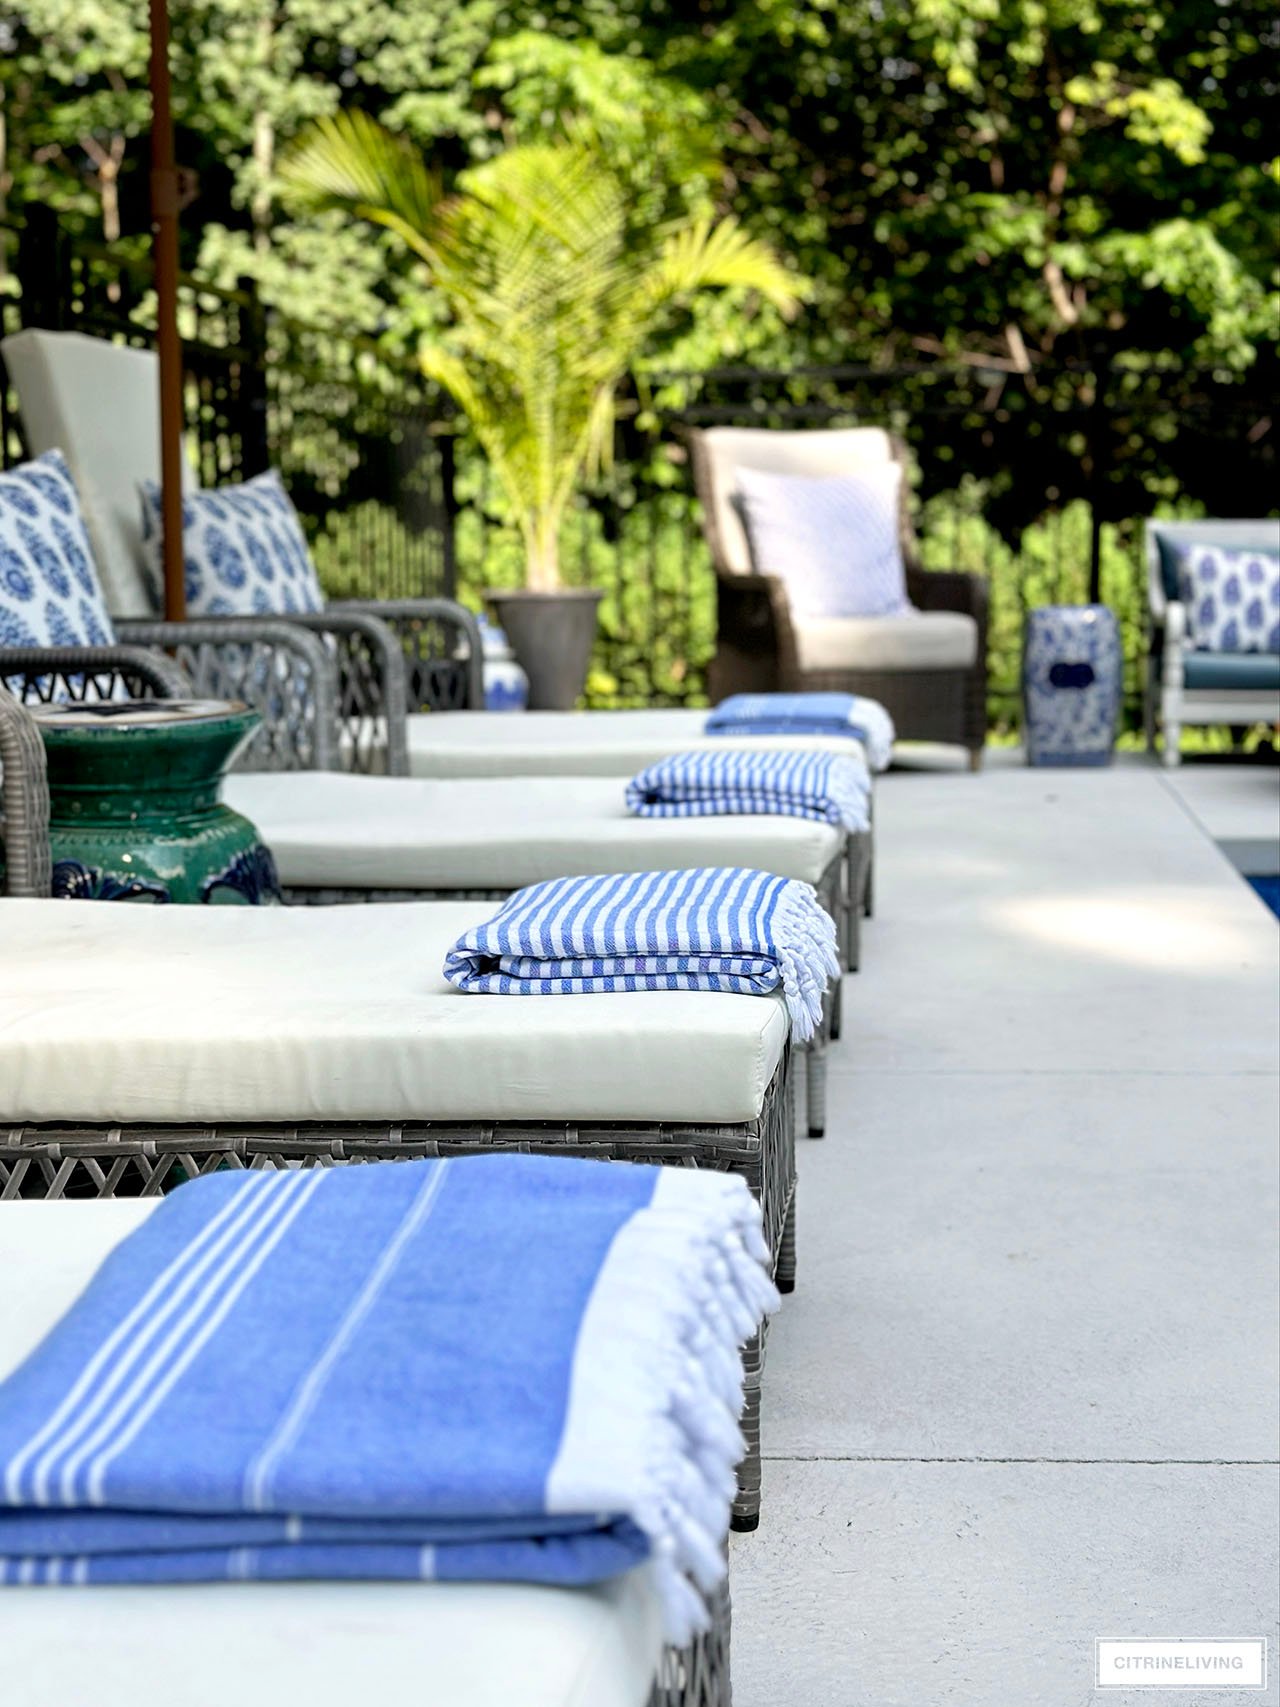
{"x":998,"y":183}
{"x":1065,"y":176}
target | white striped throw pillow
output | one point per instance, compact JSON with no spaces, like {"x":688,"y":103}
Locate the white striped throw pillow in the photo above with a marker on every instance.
{"x":832,"y":540}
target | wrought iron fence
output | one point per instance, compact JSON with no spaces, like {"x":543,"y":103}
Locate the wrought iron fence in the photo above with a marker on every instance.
{"x":1039,"y":477}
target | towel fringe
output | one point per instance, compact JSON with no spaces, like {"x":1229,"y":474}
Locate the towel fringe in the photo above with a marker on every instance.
{"x":716,"y":1292}
{"x":805,"y":939}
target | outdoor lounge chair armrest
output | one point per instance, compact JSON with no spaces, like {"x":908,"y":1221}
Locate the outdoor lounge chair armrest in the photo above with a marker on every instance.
{"x":1170,"y":636}
{"x":24,"y":804}
{"x":756,"y":611}
{"x":46,"y":671}
{"x":949,"y":589}
{"x":373,"y":686}
{"x":437,"y":679}
{"x":283,"y":671}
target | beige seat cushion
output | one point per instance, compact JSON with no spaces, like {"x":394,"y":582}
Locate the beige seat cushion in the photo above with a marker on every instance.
{"x":573,"y":743}
{"x":276,"y":1644}
{"x":926,"y":640}
{"x":500,"y":833}
{"x":137,"y":1013}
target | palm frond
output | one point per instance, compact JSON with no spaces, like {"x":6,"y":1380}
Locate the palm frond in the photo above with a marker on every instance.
{"x":350,"y":161}
{"x":703,"y":255}
{"x":553,"y":288}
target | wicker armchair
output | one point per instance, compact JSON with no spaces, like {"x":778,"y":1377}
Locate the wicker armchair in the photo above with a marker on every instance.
{"x":763,"y":647}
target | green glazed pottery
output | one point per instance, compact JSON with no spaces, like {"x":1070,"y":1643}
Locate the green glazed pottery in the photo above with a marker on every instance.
{"x":134,"y":808}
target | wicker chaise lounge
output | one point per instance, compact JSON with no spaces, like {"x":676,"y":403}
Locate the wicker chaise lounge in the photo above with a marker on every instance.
{"x":326,"y":1643}
{"x":341,"y":838}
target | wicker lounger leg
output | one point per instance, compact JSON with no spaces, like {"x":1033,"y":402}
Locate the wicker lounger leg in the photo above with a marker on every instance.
{"x":784,"y":1276}
{"x":746,"y":1504}
{"x":868,"y":880}
{"x":851,"y":898}
{"x":815,"y":1075}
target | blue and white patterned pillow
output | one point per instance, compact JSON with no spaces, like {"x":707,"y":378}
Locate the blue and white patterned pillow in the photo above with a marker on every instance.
{"x":245,"y":551}
{"x":833,"y":540}
{"x":49,"y":592}
{"x":1232,"y":598}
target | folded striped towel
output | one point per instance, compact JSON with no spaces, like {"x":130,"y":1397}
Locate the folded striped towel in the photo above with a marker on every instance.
{"x":866,"y":720}
{"x":512,"y":1368}
{"x":829,"y":788}
{"x":709,"y":929}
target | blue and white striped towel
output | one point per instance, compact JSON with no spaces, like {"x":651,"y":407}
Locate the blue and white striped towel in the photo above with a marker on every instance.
{"x":828,"y":788}
{"x":510,"y":1368}
{"x":714,"y":928}
{"x":866,"y":720}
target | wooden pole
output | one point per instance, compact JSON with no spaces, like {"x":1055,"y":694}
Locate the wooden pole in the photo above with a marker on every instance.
{"x":164,"y":228}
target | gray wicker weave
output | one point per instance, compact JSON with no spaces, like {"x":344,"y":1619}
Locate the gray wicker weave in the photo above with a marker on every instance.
{"x":47,"y":673}
{"x":24,"y":803}
{"x":756,"y":648}
{"x":699,"y":1676}
{"x":287,"y":674}
{"x":388,"y":658}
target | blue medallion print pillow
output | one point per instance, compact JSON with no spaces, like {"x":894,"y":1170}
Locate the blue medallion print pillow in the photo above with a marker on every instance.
{"x":245,"y":551}
{"x":49,"y":592}
{"x":833,"y":540}
{"x":1232,"y":598}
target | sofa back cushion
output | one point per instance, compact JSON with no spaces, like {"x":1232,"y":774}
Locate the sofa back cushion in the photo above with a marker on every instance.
{"x":98,"y":403}
{"x":49,"y":592}
{"x":723,"y":451}
{"x":245,"y":552}
{"x":1232,"y":598}
{"x":833,"y":541}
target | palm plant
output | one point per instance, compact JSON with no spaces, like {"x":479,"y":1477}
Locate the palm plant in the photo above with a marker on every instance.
{"x":551,"y":293}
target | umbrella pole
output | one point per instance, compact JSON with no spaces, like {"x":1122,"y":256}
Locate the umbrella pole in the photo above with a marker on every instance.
{"x":164,"y":227}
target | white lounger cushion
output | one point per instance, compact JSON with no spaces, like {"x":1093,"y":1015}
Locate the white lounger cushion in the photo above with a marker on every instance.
{"x":275,"y":1644}
{"x":925,"y":640}
{"x":121,"y":1012}
{"x":573,"y":743}
{"x":500,"y":832}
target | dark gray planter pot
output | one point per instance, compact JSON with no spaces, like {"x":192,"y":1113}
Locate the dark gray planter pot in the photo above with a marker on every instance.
{"x":551,"y":635}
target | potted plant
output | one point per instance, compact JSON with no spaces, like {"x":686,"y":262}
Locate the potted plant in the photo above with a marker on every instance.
{"x":551,"y":293}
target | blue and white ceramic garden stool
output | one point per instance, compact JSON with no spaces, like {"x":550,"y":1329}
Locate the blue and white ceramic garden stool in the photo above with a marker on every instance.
{"x":1072,"y":679}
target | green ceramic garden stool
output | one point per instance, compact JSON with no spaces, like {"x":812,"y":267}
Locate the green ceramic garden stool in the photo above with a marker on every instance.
{"x":134,"y":808}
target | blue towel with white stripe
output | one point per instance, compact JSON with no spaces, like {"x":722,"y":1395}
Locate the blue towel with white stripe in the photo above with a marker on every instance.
{"x":827,"y":788}
{"x":849,"y":714}
{"x":502,"y":1368}
{"x":711,"y":929}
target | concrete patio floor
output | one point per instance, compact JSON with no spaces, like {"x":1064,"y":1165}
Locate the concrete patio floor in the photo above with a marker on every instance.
{"x":1025,"y":1393}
